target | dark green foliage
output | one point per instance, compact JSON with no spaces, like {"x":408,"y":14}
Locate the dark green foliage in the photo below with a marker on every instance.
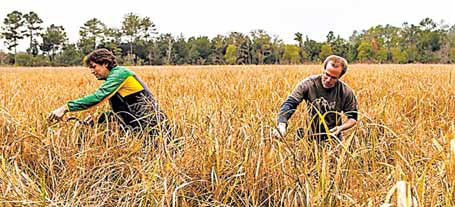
{"x":91,"y":34}
{"x":53,"y":40}
{"x":70,"y":56}
{"x":33,"y":29}
{"x":137,"y":42}
{"x":12,"y":30}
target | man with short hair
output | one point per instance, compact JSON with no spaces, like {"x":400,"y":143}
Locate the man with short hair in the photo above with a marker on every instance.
{"x":326,"y":96}
{"x":132,"y":103}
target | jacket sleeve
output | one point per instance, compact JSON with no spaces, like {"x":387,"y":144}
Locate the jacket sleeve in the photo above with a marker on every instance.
{"x":112,"y":84}
{"x":290,"y":105}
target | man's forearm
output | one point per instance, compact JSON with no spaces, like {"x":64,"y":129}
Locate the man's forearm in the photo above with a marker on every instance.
{"x":348,"y":124}
{"x":287,"y":109}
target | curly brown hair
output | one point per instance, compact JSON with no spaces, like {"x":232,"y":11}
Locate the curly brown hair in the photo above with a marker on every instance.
{"x":101,"y":56}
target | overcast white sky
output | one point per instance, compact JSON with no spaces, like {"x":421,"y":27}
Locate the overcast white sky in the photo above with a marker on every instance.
{"x":203,"y":17}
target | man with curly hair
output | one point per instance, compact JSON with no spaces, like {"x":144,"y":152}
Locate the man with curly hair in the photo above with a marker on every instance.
{"x":132,"y":103}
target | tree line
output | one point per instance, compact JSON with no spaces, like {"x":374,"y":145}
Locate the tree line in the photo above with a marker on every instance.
{"x":137,"y":42}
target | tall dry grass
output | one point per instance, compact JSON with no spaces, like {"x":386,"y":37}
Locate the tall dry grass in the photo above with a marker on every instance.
{"x":225,"y":155}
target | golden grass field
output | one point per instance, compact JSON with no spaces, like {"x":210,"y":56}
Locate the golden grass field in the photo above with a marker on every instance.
{"x":225,"y":155}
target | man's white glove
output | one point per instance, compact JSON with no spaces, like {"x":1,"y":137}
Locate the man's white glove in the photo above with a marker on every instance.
{"x":58,"y":114}
{"x":280,"y":131}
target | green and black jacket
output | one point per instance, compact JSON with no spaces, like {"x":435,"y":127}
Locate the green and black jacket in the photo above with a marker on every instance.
{"x":129,"y":98}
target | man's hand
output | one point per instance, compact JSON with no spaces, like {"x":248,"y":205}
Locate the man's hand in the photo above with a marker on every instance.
{"x":280,"y":131}
{"x":335,"y":131}
{"x":88,"y":120}
{"x":58,"y":113}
